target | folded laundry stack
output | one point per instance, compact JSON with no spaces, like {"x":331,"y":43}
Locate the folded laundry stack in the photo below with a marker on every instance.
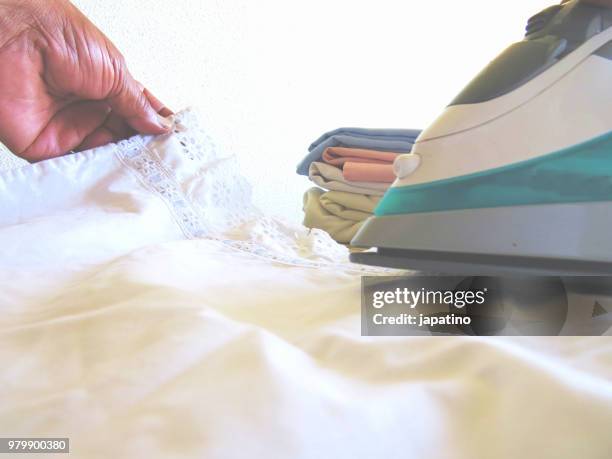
{"x":353,"y":168}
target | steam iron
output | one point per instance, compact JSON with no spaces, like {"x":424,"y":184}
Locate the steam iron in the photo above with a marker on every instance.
{"x":515,"y":176}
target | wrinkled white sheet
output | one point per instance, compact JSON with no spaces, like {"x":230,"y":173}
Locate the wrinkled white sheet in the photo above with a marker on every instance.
{"x":148,"y":311}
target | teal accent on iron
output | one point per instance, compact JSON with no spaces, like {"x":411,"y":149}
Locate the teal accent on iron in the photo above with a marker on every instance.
{"x":580,"y":173}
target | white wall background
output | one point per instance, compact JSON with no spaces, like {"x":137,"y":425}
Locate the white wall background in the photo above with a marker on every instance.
{"x":272,"y":75}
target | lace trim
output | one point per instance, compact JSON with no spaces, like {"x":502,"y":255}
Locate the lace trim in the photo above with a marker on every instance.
{"x":259,"y":236}
{"x":135,"y":154}
{"x":266,"y":254}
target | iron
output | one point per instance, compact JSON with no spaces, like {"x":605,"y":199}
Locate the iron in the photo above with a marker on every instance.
{"x":515,"y":176}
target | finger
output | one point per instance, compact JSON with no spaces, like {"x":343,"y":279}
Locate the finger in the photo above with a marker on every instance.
{"x":114,"y":129}
{"x":129,"y":102}
{"x":157,"y":105}
{"x":98,"y":138}
{"x":117,"y":125}
{"x":67,"y":130}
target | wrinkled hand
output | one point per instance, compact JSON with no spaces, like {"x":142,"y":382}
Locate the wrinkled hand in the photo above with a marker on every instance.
{"x":63,"y":85}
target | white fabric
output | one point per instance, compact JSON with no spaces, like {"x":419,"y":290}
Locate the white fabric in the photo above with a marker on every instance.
{"x":8,"y":160}
{"x":148,"y":311}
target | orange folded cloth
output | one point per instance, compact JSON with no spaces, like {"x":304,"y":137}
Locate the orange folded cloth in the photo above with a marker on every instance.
{"x":337,"y":156}
{"x":362,"y":165}
{"x":368,"y":172}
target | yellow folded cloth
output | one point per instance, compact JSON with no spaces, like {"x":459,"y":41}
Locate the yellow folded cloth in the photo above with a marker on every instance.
{"x":339,"y":213}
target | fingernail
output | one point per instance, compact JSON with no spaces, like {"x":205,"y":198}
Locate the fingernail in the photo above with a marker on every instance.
{"x":165,"y":122}
{"x":165,"y":111}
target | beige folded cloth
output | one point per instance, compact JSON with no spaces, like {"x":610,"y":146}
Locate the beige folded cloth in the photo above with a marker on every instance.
{"x":330,"y":177}
{"x":350,"y":206}
{"x":340,"y":214}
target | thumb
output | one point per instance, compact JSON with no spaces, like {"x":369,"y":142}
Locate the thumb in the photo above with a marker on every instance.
{"x":130,"y":103}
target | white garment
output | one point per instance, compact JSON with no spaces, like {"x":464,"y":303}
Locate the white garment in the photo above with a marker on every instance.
{"x":330,"y":178}
{"x":8,"y":160}
{"x":147,"y":310}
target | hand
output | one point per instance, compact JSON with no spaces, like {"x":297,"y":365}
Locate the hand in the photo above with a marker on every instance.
{"x":63,"y":85}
